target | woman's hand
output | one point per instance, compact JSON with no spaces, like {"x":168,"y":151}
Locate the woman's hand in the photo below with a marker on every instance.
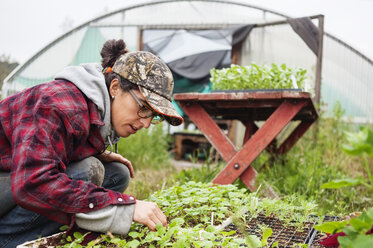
{"x":107,"y":156}
{"x":149,"y":214}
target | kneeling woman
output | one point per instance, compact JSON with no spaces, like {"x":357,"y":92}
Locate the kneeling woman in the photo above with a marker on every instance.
{"x":52,"y":142}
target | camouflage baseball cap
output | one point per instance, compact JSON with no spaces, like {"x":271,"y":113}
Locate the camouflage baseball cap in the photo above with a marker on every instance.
{"x":154,"y":79}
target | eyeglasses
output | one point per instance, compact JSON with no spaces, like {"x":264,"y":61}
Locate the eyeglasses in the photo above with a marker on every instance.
{"x":145,"y":112}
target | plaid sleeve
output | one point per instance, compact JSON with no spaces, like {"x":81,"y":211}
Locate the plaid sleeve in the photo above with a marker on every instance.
{"x":46,"y":134}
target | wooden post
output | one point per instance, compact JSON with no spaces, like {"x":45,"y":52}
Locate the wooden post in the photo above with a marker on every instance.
{"x":319,"y":61}
{"x":140,"y":44}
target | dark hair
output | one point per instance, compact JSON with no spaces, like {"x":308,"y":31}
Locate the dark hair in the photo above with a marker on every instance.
{"x":110,"y":52}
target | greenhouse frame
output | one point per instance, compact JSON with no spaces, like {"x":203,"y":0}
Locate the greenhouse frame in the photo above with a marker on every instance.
{"x":342,"y":74}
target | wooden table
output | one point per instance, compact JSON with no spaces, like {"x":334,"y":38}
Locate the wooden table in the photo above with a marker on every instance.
{"x":276,"y":108}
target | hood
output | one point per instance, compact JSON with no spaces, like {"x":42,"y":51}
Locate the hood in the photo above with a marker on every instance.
{"x":89,"y":79}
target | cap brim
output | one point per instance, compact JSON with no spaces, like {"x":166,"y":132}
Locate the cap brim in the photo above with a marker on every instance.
{"x":163,"y":106}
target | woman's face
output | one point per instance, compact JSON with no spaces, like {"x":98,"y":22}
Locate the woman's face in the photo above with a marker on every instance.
{"x":124,"y":110}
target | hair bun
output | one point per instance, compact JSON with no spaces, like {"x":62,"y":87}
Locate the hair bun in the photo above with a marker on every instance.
{"x":111,"y":51}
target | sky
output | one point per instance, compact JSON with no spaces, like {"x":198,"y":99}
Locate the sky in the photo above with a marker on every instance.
{"x":26,"y":26}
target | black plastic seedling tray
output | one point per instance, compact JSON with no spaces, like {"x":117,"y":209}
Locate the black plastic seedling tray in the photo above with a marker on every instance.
{"x":286,"y":235}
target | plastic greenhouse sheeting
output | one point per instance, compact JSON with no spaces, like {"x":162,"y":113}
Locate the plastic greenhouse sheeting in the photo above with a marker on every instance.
{"x":93,"y":41}
{"x":347,"y":75}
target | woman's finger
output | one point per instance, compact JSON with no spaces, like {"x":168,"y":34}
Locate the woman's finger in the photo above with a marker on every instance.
{"x":132,"y":173}
{"x":147,"y":213}
{"x":129,"y":166}
{"x":157,"y":216}
{"x":161,"y":217}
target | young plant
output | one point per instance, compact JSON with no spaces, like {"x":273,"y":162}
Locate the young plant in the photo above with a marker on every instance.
{"x":255,"y":76}
{"x":266,"y":233}
{"x":195,"y":211}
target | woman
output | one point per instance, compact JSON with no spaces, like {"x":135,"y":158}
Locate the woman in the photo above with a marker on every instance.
{"x":52,"y":138}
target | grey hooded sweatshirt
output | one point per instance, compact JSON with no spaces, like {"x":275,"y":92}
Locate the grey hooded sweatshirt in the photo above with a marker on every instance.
{"x":90,"y":80}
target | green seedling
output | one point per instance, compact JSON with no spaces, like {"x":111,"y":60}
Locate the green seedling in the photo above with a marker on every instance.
{"x":254,"y":77}
{"x":194,"y":212}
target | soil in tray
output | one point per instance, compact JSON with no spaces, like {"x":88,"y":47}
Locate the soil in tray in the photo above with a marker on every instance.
{"x":285,"y":235}
{"x":59,"y":241}
{"x":52,"y":241}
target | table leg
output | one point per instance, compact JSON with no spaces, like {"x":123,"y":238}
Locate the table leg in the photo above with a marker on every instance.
{"x":258,"y":142}
{"x":211,"y":130}
{"x":294,"y":137}
{"x":249,"y":175}
{"x":251,"y":128}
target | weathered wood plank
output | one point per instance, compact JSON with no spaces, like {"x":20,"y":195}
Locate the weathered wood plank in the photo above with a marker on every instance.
{"x":211,"y":130}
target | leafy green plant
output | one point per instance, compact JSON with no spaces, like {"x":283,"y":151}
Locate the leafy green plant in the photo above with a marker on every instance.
{"x":255,"y":76}
{"x":266,"y":233}
{"x":195,"y":202}
{"x":358,"y":230}
{"x":196,"y":211}
{"x":359,"y":144}
{"x":73,"y":242}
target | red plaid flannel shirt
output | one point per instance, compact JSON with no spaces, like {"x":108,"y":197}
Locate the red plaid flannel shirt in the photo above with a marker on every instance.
{"x":43,"y":129}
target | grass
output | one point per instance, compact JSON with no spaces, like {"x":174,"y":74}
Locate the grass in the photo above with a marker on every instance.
{"x":148,"y":149}
{"x":147,"y":181}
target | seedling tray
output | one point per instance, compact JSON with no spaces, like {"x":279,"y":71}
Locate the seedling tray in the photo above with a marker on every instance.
{"x":45,"y":242}
{"x":286,"y":235}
